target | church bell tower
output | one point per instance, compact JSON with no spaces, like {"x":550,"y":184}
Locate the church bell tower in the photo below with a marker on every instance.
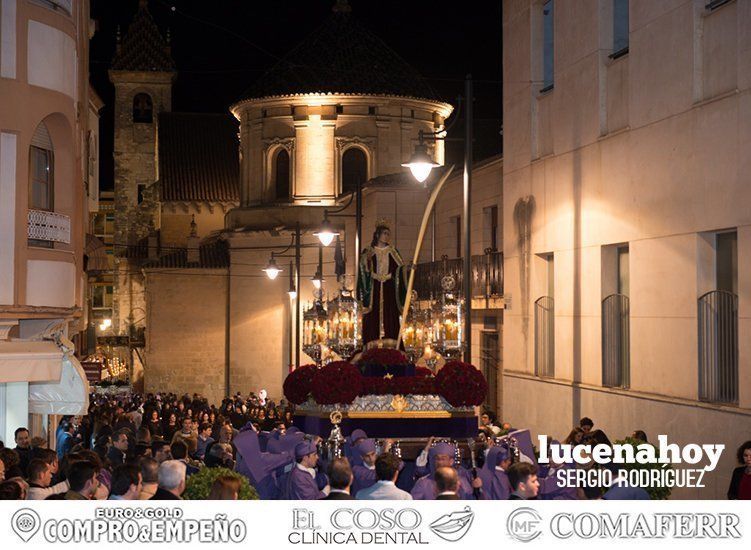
{"x":142,"y":72}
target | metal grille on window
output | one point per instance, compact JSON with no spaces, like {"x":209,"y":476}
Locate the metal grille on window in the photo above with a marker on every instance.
{"x":718,"y":347}
{"x":545,"y":336}
{"x":616,"y":358}
{"x":489,"y":360}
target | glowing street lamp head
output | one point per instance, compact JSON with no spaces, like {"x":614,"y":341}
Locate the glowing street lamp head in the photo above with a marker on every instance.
{"x":420,"y":163}
{"x":326,"y":233}
{"x":272,"y":270}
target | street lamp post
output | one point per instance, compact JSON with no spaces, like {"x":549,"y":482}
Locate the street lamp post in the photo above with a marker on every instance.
{"x":326,"y":232}
{"x":420,"y":164}
{"x":298,"y":309}
{"x":272,"y":271}
{"x":467,"y":217}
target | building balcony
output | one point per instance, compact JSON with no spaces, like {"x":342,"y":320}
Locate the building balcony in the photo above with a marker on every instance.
{"x":48,"y":226}
{"x":487,"y":279}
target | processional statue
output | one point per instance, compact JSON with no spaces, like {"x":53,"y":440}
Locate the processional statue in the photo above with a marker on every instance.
{"x":381,"y":288}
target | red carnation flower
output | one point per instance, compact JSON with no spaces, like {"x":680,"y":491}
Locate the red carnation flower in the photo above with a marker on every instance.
{"x":298,"y":383}
{"x":423,"y":371}
{"x":383,"y":356}
{"x":461,"y":384}
{"x":337,"y":382}
{"x":404,"y":385}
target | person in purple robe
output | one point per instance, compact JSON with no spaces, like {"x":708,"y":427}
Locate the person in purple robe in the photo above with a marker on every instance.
{"x":350,"y":443}
{"x":285,"y":443}
{"x":259,"y":467}
{"x":442,"y":456}
{"x":301,"y":483}
{"x":364,"y":473}
{"x":553,"y":488}
{"x":495,"y":482}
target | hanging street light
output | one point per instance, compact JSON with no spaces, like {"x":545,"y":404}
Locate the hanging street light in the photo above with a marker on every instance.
{"x":420,"y":163}
{"x":271,"y":269}
{"x":326,"y":232}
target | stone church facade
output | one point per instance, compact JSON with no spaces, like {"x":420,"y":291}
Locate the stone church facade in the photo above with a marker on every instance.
{"x":341,"y":109}
{"x":176,"y":174}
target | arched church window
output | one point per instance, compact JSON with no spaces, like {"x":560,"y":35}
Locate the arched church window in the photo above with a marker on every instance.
{"x":354,"y":169}
{"x":281,"y":174}
{"x":142,"y":108}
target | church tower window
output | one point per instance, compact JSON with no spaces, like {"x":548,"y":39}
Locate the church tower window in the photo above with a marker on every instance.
{"x":142,"y":109}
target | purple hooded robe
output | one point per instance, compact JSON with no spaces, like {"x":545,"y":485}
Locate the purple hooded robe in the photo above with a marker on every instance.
{"x":425,"y":487}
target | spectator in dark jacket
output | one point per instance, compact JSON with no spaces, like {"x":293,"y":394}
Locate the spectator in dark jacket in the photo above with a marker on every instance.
{"x":740,"y":483}
{"x":23,"y":448}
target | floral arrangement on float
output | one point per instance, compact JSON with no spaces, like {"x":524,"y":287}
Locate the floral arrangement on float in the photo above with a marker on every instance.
{"x":361,"y":385}
{"x":337,"y":382}
{"x":378,"y":362}
{"x":461,"y":384}
{"x":299,"y":383}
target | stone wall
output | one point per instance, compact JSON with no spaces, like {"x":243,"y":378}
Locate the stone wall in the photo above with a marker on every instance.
{"x":185,"y":340}
{"x":174,"y":226}
{"x":135,"y":164}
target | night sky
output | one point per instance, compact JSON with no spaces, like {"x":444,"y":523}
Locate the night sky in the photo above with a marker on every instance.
{"x":220,"y":47}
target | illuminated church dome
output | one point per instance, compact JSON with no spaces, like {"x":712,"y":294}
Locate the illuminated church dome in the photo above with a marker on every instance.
{"x":339,"y":108}
{"x":342,"y":57}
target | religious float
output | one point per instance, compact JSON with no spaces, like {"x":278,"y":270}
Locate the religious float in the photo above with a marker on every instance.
{"x":402,"y":377}
{"x":386,"y":395}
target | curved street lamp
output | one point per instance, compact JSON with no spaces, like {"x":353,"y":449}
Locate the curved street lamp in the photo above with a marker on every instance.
{"x":272,"y":270}
{"x":326,"y":232}
{"x":420,"y":163}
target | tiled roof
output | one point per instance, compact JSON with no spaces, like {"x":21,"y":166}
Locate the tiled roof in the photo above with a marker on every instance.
{"x":143,"y":48}
{"x":214,"y":254}
{"x":342,"y":56}
{"x":198,"y":157}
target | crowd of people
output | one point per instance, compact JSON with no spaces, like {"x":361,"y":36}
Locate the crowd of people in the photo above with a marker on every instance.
{"x":134,"y":447}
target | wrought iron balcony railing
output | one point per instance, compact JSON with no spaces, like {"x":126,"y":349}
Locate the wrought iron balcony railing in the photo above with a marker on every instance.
{"x":48,"y":226}
{"x":486,"y":272}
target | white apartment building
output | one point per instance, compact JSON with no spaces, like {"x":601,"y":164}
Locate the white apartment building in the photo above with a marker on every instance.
{"x":627,"y":236}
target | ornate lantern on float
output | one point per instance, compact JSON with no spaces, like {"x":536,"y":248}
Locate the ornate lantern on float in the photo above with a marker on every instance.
{"x":315,"y":329}
{"x":417,"y":331}
{"x":448,"y":326}
{"x":344,"y":323}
